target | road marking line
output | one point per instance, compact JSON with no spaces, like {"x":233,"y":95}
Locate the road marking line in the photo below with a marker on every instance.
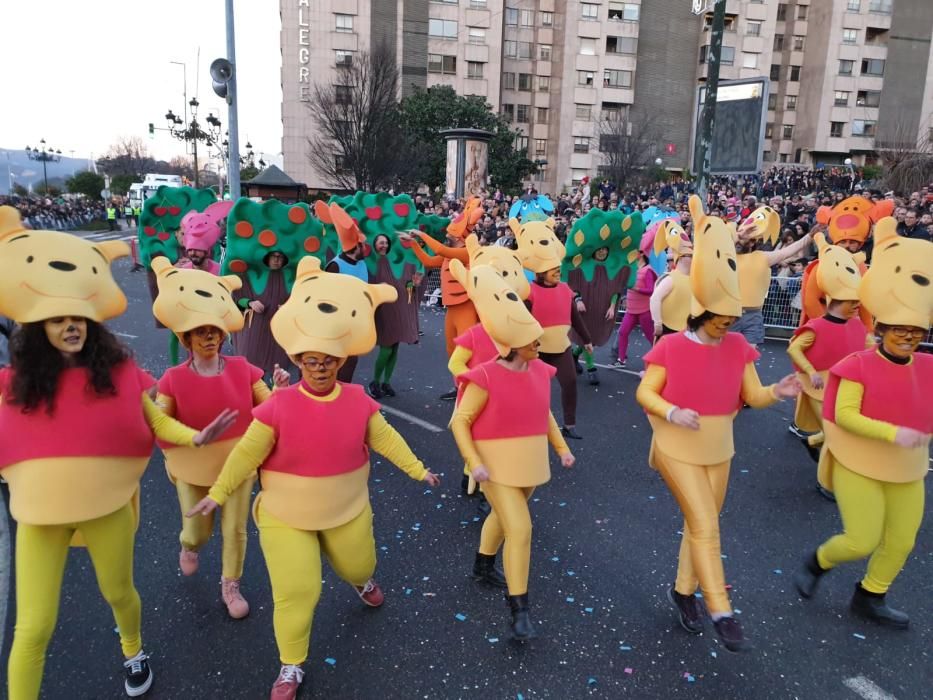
{"x":125,"y":335}
{"x":6,"y":563}
{"x":412,"y":419}
{"x":618,"y":369}
{"x":866,"y":689}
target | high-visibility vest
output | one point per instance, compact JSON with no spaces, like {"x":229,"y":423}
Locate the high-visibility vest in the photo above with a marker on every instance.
{"x":137,"y":211}
{"x":111,"y":213}
{"x":128,"y":211}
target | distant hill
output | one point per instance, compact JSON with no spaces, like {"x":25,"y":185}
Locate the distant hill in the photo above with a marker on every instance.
{"x":17,"y":169}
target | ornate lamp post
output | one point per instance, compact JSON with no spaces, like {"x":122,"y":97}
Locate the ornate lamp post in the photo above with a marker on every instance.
{"x":193,"y":132}
{"x":44,"y":155}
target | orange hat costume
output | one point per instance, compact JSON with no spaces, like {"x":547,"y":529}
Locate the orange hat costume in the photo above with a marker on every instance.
{"x":850,"y":220}
{"x":348,"y":230}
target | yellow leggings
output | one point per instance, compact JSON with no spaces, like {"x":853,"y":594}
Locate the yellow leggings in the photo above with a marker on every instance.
{"x":509,"y":522}
{"x":293,"y":558}
{"x":700,"y":491}
{"x":880,"y":519}
{"x":195,"y":532}
{"x":41,"y":553}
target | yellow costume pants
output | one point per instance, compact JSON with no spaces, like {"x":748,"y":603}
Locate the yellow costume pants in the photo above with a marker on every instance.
{"x":880,"y":519}
{"x":195,"y":532}
{"x":41,"y":553}
{"x":509,"y":522}
{"x":293,"y":558}
{"x":700,"y":492}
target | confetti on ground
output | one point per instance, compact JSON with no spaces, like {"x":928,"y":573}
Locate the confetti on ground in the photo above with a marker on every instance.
{"x":571,"y":573}
{"x":562,"y":504}
{"x":569,"y":599}
{"x":650,"y":498}
{"x":460,"y":616}
{"x":778,"y":571}
{"x":625,"y":648}
{"x":689,"y":677}
{"x":492,"y":640}
{"x":591,"y":681}
{"x":629,"y":671}
{"x":329,"y":661}
{"x":858,"y":636}
{"x":713,"y":654}
{"x":589,"y":610}
{"x":555,"y":558}
{"x":407,"y":591}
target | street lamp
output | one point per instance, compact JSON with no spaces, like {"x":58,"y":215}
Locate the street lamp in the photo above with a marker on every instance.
{"x":44,"y":155}
{"x":193,"y":132}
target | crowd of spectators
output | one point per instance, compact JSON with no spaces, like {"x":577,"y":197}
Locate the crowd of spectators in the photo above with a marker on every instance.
{"x":65,"y":213}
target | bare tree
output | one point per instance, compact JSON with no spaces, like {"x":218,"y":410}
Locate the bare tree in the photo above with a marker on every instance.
{"x":906,"y":158}
{"x":628,"y":143}
{"x":127,"y":156}
{"x":359,"y":142}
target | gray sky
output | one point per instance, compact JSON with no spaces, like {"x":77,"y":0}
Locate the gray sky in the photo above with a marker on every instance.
{"x":81,"y":74}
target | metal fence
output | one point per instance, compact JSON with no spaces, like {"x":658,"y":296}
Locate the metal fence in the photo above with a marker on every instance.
{"x":781,"y":309}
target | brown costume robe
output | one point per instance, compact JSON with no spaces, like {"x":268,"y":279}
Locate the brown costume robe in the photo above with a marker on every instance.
{"x":596,"y":297}
{"x":255,"y":341}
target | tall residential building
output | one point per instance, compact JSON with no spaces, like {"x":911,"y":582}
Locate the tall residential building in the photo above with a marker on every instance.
{"x":847,"y":77}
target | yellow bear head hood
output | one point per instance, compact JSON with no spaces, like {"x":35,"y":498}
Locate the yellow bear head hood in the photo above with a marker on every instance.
{"x":538,"y":246}
{"x":838,"y":273}
{"x":503,"y":260}
{"x":714,"y":277}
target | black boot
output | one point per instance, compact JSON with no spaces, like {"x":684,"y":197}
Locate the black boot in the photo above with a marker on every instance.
{"x":485,"y":571}
{"x":871,"y":606}
{"x":808,"y":577}
{"x":594,"y":378}
{"x":522,"y":628}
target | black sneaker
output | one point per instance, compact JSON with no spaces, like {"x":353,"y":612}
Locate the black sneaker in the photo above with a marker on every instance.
{"x":793,"y":429}
{"x":375,"y":390}
{"x":730,"y":634}
{"x":387,"y":390}
{"x":570,"y":433}
{"x":690,"y":609}
{"x":449,"y":396}
{"x":593,"y":377}
{"x":138,"y":675}
{"x":812,"y":450}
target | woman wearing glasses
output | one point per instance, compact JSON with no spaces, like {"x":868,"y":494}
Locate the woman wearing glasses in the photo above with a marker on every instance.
{"x":877,"y":419}
{"x":316,"y":501}
{"x":199,"y":308}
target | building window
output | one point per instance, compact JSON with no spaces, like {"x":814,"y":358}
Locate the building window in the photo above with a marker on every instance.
{"x":863,"y":127}
{"x":753,"y":28}
{"x":511,"y":17}
{"x":587,"y":47}
{"x":524,"y":49}
{"x":544,"y":52}
{"x":726,"y":56}
{"x":508,"y":81}
{"x":527,"y":18}
{"x":624,"y":11}
{"x":775,"y":75}
{"x":584,"y":113}
{"x":849,"y":36}
{"x":749,"y":60}
{"x":617,"y":78}
{"x":868,"y":98}
{"x":581,"y":144}
{"x":343,"y":59}
{"x":769,"y":131}
{"x":543,"y":113}
{"x":544,"y":83}
{"x":802,"y":11}
{"x":540,"y":147}
{"x":611,"y":112}
{"x":510,"y":49}
{"x":778,"y":42}
{"x":586,"y":77}
{"x":508,"y":110}
{"x":438,"y":63}
{"x":547,"y":19}
{"x":521,"y":143}
{"x":880,"y":7}
{"x":621,"y":44}
{"x":845,"y":67}
{"x":788,"y":132}
{"x":835,"y":129}
{"x":766,"y":156}
{"x":474,"y":70}
{"x":521,"y":113}
{"x":340,"y":163}
{"x":772,"y":100}
{"x":589,"y":11}
{"x":477,"y":35}
{"x":841,"y":98}
{"x":541,"y":173}
{"x":524,"y":82}
{"x":782,"y":157}
{"x":791,"y":102}
{"x":795,"y":74}
{"x":343,"y":23}
{"x":782,"y":12}
{"x":342,"y":94}
{"x":872,"y":66}
{"x":799,"y":41}
{"x":442,"y":28}
{"x":478,"y":4}
{"x":853,"y":5}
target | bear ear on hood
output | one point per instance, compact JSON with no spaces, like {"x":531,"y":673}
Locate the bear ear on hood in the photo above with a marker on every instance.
{"x":322,"y":211}
{"x":308,"y":265}
{"x":472,"y":245}
{"x":695,"y":205}
{"x":231,"y":282}
{"x":819,"y":239}
{"x":824,"y":214}
{"x":113,"y":249}
{"x":459,"y":272}
{"x":516,"y":227}
{"x":382,"y":293}
{"x":860,"y":257}
{"x":160,"y":265}
{"x":881,"y":209}
{"x":885,"y":228}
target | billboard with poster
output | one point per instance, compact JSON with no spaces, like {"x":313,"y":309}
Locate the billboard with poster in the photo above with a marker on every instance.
{"x":738,"y":129}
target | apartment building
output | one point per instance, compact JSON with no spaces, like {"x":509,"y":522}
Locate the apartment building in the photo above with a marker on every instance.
{"x":847,"y":77}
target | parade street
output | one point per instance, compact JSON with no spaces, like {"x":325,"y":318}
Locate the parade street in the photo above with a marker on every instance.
{"x":605,"y":548}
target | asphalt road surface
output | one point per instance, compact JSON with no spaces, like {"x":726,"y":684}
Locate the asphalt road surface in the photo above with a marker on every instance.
{"x":605,"y":543}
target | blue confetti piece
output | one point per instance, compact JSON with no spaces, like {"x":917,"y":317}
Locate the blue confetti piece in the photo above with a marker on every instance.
{"x":625,"y":648}
{"x":464,"y":522}
{"x":384,"y":548}
{"x":778,"y":571}
{"x":407,"y":591}
{"x":744,"y":471}
{"x":713,"y":654}
{"x":591,"y":681}
{"x":562,"y":504}
{"x":519,"y":697}
{"x":690,"y":678}
{"x":492,"y":640}
{"x":330,"y":662}
{"x":475,"y":518}
{"x":571,"y":573}
{"x":569,"y":599}
{"x":425,"y":578}
{"x":858,"y":636}
{"x":439,"y":505}
{"x":555,"y":558}
{"x":650,"y":498}
{"x":589,"y":610}
{"x":461,"y":617}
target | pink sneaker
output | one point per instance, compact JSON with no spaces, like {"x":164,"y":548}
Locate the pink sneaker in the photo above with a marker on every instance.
{"x":188,"y":561}
{"x":370,"y":593}
{"x":236,"y":604}
{"x":286,"y":685}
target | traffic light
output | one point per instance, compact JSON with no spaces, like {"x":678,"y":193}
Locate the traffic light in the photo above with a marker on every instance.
{"x":151,"y":130}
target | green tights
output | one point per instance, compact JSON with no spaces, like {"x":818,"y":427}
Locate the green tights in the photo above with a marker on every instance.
{"x":173,"y":349}
{"x":385,"y":363}
{"x":587,"y":356}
